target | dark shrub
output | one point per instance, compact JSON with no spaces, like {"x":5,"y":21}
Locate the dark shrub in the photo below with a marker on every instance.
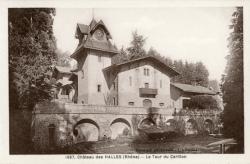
{"x":202,"y":102}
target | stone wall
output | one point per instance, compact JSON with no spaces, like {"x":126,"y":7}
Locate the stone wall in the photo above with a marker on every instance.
{"x":67,"y":117}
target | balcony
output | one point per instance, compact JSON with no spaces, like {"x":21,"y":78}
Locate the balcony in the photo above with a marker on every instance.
{"x":148,"y":92}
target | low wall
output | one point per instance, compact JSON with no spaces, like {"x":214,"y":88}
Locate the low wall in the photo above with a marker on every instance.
{"x":65,"y":116}
{"x":63,"y":108}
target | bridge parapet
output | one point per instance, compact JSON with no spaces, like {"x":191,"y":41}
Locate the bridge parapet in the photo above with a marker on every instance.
{"x":124,"y":110}
{"x":59,"y":107}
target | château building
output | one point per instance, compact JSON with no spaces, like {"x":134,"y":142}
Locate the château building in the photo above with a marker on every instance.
{"x":140,"y":82}
{"x":99,"y":100}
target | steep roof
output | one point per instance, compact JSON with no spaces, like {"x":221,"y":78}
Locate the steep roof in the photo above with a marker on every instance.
{"x":89,"y":43}
{"x":92,"y":23}
{"x":167,"y":68}
{"x":193,"y":89}
{"x":83,"y":28}
{"x":86,"y":29}
{"x":92,"y":44}
{"x":100,"y":23}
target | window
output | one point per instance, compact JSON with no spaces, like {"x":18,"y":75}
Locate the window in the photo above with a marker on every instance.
{"x":146,"y":85}
{"x":130,"y":80}
{"x":146,"y":71}
{"x":99,"y":58}
{"x":131,"y":103}
{"x":99,"y":88}
{"x":161,"y":104}
{"x":114,"y":101}
{"x":82,"y":73}
{"x":160,"y":83}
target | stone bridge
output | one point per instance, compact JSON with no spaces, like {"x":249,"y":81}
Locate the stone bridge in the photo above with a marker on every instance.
{"x":59,"y":124}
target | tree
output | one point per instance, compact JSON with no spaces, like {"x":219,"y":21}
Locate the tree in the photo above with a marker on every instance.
{"x":120,"y":57}
{"x":32,"y":48}
{"x":136,"y":48}
{"x":202,"y":102}
{"x":63,"y":58}
{"x":232,"y":84}
{"x":201,"y":74}
{"x":153,"y":52}
{"x":191,"y":73}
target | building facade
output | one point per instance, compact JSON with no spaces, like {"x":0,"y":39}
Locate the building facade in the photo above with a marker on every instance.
{"x":99,"y":100}
{"x":141,"y":82}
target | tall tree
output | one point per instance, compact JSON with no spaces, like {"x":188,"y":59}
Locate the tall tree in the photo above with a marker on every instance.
{"x":232,"y":86}
{"x":120,"y":57}
{"x":153,"y":52}
{"x":136,"y":48}
{"x":63,"y":58}
{"x":191,"y":73}
{"x":201,"y":74}
{"x":32,"y":48}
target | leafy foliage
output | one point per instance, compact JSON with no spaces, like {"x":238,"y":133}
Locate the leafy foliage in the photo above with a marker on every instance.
{"x":136,"y":48}
{"x":202,"y":102}
{"x":63,"y":58}
{"x":232,"y":82}
{"x":121,"y":57}
{"x":32,"y":48}
{"x":190,"y":73}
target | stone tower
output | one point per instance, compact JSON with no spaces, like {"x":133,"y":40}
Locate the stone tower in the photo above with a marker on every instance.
{"x":93,"y":54}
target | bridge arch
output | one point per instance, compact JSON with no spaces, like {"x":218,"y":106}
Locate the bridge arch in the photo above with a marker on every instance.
{"x":146,"y":122}
{"x":120,"y":127}
{"x":86,"y":130}
{"x":191,"y":127}
{"x":209,"y":126}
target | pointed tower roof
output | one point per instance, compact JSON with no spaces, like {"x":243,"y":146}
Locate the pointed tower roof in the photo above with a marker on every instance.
{"x":89,"y":43}
{"x":92,"y":23}
{"x":100,"y":23}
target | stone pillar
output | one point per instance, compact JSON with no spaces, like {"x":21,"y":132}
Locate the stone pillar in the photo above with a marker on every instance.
{"x":104,"y":129}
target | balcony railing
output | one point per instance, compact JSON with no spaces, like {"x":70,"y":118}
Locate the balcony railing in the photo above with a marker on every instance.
{"x":148,"y":91}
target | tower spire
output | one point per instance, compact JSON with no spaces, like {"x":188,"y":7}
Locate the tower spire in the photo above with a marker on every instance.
{"x":93,"y":13}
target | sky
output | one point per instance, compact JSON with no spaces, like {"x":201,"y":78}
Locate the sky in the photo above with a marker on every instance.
{"x":188,"y":33}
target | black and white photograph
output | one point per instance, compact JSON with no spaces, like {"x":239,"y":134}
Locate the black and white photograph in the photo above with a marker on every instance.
{"x":126,"y":82}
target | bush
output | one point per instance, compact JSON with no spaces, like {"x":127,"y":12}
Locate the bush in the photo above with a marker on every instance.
{"x":202,"y":102}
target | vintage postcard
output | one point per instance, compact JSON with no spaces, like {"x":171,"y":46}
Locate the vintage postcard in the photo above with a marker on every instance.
{"x":148,"y":81}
